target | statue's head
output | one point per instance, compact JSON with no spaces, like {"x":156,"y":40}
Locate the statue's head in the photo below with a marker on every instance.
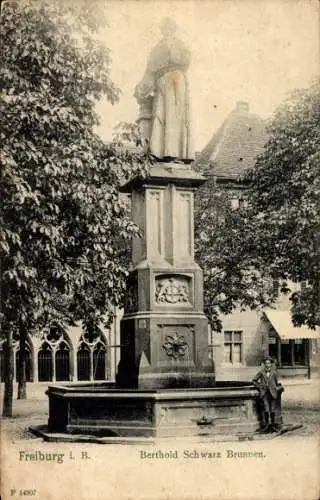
{"x":168,"y":27}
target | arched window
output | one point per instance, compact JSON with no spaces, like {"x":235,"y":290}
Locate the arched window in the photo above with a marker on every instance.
{"x":45,"y":363}
{"x":99,"y":362}
{"x":83,"y":362}
{"x":28,"y":364}
{"x":63,"y":362}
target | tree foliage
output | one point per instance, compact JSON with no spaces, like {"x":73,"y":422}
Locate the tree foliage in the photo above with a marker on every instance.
{"x":285,"y":200}
{"x":64,"y":228}
{"x":276,"y":237}
{"x":232,"y":278}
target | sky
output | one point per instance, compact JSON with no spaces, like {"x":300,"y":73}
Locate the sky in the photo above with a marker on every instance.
{"x":250,"y":50}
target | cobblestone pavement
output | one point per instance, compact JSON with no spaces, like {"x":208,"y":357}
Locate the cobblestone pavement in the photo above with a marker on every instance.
{"x":310,"y":420}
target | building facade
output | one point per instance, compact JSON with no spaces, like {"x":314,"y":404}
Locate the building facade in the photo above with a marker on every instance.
{"x":249,"y":336}
{"x":68,"y":357}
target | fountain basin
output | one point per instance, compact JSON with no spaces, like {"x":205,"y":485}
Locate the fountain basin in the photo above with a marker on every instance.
{"x":228,"y":408}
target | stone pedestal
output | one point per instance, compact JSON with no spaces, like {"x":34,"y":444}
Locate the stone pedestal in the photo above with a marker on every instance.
{"x":164,"y":332}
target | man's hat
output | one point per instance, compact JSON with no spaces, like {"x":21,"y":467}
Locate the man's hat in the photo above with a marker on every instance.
{"x":268,"y":358}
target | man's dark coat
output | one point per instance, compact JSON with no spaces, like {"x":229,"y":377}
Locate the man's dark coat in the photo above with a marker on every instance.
{"x":264,"y":383}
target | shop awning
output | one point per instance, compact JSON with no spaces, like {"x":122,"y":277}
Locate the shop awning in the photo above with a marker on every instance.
{"x":282,"y":323}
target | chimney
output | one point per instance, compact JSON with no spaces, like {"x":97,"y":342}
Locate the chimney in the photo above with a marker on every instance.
{"x":242,"y":107}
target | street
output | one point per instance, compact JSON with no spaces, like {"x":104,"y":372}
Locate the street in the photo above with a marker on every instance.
{"x":300,"y":405}
{"x":175,"y":469}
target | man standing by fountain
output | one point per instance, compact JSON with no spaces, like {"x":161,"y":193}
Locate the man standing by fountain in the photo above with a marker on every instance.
{"x":267,"y":382}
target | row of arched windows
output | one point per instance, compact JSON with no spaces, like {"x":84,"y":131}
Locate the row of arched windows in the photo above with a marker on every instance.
{"x":91,"y":364}
{"x":46,"y":359}
{"x":57,"y":363}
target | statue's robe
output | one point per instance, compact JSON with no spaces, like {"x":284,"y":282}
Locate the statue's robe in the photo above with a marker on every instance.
{"x":164,"y":88}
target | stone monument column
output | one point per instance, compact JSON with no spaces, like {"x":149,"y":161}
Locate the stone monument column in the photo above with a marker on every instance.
{"x":164,"y":331}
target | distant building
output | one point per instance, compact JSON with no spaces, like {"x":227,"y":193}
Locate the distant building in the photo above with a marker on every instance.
{"x":248,"y":336}
{"x":70,"y":357}
{"x":233,"y":149}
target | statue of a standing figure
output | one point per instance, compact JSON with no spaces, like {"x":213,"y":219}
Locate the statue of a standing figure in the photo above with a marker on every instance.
{"x":163,"y":96}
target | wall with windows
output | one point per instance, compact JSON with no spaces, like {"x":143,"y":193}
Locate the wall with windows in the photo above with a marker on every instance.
{"x":246,"y":340}
{"x":288,"y":352}
{"x":239,"y":345}
{"x":54,"y":356}
{"x":294,"y":357}
{"x":233,"y":347}
{"x":247,"y":337}
{"x":236,"y":352}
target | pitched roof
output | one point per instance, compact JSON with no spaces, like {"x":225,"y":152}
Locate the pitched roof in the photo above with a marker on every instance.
{"x":234,"y":147}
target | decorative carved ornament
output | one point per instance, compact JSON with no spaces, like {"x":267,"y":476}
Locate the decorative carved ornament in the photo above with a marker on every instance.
{"x":172,"y":291}
{"x":53,"y":336}
{"x":91,"y":339}
{"x":204,"y":421}
{"x":175,"y":346}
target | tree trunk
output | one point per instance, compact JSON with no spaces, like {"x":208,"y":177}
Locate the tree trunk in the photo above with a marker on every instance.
{"x":22,"y":383}
{"x":9,"y":369}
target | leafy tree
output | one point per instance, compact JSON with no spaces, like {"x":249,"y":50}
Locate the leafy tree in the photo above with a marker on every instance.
{"x":232,"y":277}
{"x":277,"y":236}
{"x":285,"y":201}
{"x":64,"y":228}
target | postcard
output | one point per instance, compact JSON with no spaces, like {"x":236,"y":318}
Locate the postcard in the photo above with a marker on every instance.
{"x":160,"y":336}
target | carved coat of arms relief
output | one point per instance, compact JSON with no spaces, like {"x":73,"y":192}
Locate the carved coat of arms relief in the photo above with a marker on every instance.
{"x":172,"y":291}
